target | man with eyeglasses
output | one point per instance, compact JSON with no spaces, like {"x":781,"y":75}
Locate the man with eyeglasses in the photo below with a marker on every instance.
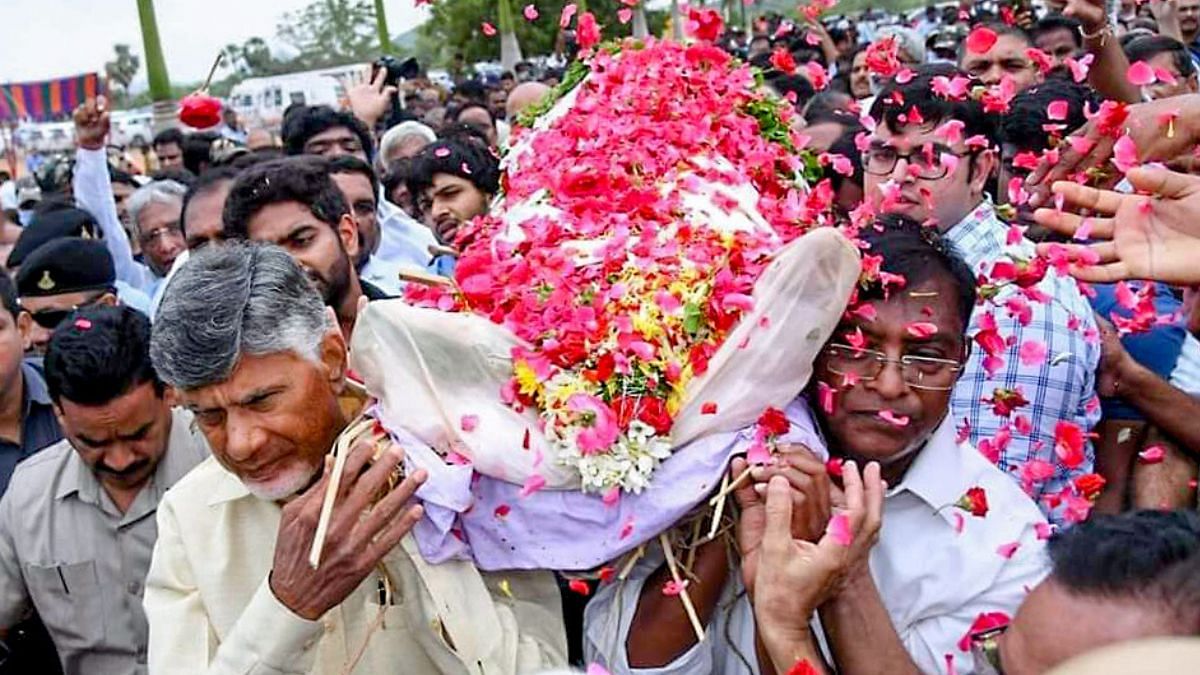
{"x":930,"y":158}
{"x":58,"y":278}
{"x":154,"y":209}
{"x":946,"y":537}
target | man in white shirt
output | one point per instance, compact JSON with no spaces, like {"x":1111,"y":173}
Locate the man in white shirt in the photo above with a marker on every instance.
{"x":958,"y":537}
{"x":154,"y":208}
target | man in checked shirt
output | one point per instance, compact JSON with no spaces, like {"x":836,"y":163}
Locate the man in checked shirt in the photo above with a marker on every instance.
{"x":929,"y":158}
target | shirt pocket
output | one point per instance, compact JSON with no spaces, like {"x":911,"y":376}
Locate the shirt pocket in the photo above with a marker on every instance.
{"x":70,"y":601}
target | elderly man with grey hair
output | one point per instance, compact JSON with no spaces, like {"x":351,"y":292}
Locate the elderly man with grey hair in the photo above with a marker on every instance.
{"x":403,"y":141}
{"x":256,"y":356}
{"x":154,"y":208}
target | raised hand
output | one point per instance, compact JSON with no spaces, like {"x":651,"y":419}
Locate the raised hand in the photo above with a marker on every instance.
{"x":370,"y":99}
{"x":91,"y":123}
{"x":809,"y":482}
{"x":360,"y":533}
{"x":795,"y":577}
{"x":1162,"y":130}
{"x":1147,"y":236}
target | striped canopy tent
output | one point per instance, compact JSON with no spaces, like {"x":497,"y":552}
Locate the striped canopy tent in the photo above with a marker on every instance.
{"x":49,"y":99}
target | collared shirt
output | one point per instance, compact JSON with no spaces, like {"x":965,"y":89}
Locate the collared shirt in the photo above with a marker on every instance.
{"x":403,"y":241}
{"x":383,"y":274}
{"x":1059,"y":387}
{"x":39,"y":427}
{"x":934,"y":575}
{"x":211,"y":608}
{"x":69,"y":552}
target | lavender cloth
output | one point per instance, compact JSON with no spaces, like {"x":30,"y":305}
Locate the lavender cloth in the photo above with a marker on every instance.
{"x":567,"y":530}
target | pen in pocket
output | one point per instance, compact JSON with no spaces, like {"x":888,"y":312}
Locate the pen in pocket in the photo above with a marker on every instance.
{"x":63,"y":580}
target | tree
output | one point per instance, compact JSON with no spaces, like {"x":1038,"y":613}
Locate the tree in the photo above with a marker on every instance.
{"x":454,"y":26}
{"x":156,"y":66}
{"x":252,"y":58}
{"x":330,"y":32}
{"x":122,"y":69}
{"x":381,"y":27}
{"x":510,"y":46}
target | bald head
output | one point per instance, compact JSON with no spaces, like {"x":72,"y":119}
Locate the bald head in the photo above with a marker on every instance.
{"x":524,"y":95}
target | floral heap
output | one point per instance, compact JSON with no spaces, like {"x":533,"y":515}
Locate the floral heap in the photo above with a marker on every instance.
{"x":636,"y":216}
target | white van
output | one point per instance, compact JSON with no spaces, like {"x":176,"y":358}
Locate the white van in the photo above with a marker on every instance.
{"x":260,"y":101}
{"x":132,"y":128}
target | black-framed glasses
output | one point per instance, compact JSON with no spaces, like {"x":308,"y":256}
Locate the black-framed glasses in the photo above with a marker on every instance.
{"x":918,"y":372}
{"x":51,"y":318}
{"x":881,"y":160}
{"x":985,"y":651}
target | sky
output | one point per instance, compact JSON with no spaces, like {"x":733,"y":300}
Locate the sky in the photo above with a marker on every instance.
{"x":43,"y":39}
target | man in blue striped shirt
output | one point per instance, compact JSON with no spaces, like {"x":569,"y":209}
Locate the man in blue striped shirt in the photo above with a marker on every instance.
{"x":1030,"y":381}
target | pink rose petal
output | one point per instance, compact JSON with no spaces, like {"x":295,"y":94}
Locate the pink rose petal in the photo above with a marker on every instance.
{"x":530,"y":12}
{"x":488,"y":29}
{"x":1140,"y":74}
{"x":839,"y":529}
{"x":532,"y":485}
{"x":568,"y":13}
{"x":1032,"y":352}
{"x":893,"y":419}
{"x":1007,"y":550}
{"x":1152,"y":455}
{"x":469,"y":423}
{"x":922,"y":329}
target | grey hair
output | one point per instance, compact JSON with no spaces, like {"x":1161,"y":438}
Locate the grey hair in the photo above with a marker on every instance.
{"x":407,"y":129}
{"x":160,"y":191}
{"x":231,"y":300}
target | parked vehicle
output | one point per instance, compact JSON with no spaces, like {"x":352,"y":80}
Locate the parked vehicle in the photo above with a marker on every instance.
{"x":261,"y":101}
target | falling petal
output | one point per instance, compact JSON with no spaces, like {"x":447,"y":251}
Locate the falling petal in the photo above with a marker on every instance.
{"x":1140,"y":74}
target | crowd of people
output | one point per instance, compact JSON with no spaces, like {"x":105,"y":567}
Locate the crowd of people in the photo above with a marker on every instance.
{"x":1018,"y":491}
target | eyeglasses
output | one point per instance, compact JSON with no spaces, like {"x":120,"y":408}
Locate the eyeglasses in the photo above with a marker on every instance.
{"x":985,"y":651}
{"x":51,"y":318}
{"x":881,"y":161}
{"x":918,"y":372}
{"x":149,"y":238}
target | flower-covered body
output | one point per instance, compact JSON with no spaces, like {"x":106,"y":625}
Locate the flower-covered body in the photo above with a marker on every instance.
{"x":637,"y":216}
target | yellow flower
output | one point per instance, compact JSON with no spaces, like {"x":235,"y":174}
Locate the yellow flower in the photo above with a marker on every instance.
{"x":527,"y":380}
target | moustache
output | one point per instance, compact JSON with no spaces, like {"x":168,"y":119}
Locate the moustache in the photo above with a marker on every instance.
{"x":129,"y":471}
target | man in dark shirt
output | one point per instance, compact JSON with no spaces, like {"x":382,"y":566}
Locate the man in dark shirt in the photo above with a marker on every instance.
{"x":27,"y":424}
{"x":27,"y":421}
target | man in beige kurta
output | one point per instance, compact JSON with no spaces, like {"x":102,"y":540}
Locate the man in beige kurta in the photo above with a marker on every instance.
{"x":254,"y":355}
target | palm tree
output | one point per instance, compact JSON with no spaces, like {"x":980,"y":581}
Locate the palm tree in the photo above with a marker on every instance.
{"x":510,"y":49}
{"x":385,"y":39}
{"x":156,"y":67}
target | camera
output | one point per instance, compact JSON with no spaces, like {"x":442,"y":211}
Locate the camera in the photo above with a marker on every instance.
{"x":396,"y":69}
